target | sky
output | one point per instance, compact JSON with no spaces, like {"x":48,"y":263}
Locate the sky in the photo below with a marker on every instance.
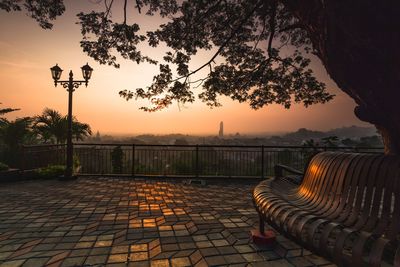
{"x":27,"y":52}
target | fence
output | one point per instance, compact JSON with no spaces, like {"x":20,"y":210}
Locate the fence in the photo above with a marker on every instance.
{"x":177,"y":160}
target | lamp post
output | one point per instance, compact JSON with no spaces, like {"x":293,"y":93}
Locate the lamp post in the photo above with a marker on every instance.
{"x":70,"y":85}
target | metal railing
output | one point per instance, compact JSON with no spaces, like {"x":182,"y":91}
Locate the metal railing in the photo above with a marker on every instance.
{"x":177,"y":160}
{"x":37,"y":156}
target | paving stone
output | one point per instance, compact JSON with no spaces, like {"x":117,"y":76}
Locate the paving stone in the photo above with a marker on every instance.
{"x":234,"y":258}
{"x":160,"y":263}
{"x":79,"y":252}
{"x":139,"y":264}
{"x":138,"y":256}
{"x":180,"y":262}
{"x":34,"y":262}
{"x":100,"y":251}
{"x":215,"y":260}
{"x":316,"y":259}
{"x":300,"y":262}
{"x":92,"y":260}
{"x":184,"y":253}
{"x":204,"y":244}
{"x":252,"y":257}
{"x":244,"y":248}
{"x":220,"y":242}
{"x":15,"y":263}
{"x":277,"y":263}
{"x":115,"y":258}
{"x":73,"y":261}
{"x":190,"y":245}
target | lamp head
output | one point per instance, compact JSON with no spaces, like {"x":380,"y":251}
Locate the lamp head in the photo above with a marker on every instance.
{"x":86,"y":72}
{"x":56,"y":73}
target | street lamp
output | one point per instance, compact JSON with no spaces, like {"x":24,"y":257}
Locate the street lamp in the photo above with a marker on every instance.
{"x":70,"y":85}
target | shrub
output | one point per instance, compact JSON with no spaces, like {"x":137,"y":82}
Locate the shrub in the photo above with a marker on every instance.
{"x":3,"y":166}
{"x":116,"y":159}
{"x":76,"y":165}
{"x":51,"y":171}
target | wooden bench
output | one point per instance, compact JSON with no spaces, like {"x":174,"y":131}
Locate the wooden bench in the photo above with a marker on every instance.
{"x":346,"y":208}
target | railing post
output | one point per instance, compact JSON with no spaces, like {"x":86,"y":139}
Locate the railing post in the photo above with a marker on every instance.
{"x":197,"y":161}
{"x":262,"y":163}
{"x":133,"y":160}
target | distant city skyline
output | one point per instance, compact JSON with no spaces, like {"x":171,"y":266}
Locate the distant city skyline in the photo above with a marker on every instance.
{"x":26,"y":84}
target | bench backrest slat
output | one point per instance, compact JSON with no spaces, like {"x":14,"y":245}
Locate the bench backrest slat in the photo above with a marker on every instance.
{"x":360,"y":187}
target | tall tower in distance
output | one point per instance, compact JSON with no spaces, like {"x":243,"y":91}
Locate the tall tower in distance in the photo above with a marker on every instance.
{"x":221,"y":129}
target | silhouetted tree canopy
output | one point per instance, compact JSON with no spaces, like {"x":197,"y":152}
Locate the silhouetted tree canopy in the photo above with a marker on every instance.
{"x":357,"y":41}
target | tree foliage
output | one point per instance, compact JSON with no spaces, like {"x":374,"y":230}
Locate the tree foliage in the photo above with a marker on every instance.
{"x":43,"y":11}
{"x":245,"y":37}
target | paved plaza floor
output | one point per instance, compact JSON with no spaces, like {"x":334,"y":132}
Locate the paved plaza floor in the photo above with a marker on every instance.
{"x":135,"y":222}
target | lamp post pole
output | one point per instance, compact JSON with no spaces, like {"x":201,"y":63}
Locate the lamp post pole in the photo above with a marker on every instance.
{"x":70,"y":149}
{"x":70,"y":85}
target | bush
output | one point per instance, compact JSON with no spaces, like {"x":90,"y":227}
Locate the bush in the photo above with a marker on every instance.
{"x":52,"y":171}
{"x":116,"y":159}
{"x":3,"y":166}
{"x":76,"y":165}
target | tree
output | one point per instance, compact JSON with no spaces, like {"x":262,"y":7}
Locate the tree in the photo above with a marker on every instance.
{"x":357,"y":42}
{"x":117,"y":159}
{"x":181,"y":141}
{"x":330,"y":141}
{"x":80,"y":130}
{"x":52,"y":126}
{"x":17,"y":132}
{"x":13,"y":134}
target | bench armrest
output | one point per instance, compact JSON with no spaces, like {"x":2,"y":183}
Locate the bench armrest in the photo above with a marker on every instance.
{"x":279,"y":168}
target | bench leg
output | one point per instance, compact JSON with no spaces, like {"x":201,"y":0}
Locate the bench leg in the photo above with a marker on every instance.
{"x":261,"y":237}
{"x":261,"y":224}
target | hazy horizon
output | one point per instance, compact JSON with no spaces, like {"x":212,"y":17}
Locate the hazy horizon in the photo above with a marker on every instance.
{"x":215,"y":133}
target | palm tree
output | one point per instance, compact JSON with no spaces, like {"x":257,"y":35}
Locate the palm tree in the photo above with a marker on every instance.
{"x":80,"y":130}
{"x":52,"y":127}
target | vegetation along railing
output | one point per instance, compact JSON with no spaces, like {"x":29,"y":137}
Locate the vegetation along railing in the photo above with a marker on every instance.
{"x":176,"y":160}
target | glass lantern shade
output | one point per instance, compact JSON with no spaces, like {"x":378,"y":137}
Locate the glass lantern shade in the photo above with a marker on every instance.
{"x":56,"y":72}
{"x":86,"y":72}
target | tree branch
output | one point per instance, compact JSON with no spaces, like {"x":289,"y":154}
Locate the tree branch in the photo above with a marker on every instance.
{"x":272,"y":25}
{"x":108,"y":8}
{"x":138,"y":3}
{"x":260,"y":35}
{"x":224,"y":44}
{"x":125,"y":4}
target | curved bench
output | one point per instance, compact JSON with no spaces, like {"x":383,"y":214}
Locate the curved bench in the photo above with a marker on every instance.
{"x":347,"y":207}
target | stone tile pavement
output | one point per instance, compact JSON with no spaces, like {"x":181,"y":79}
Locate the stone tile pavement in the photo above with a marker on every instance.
{"x":135,"y":222}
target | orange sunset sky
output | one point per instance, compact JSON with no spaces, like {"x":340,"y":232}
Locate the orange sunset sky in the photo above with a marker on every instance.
{"x":27,"y":52}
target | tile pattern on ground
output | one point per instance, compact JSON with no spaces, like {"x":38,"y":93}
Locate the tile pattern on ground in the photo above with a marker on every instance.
{"x":135,"y":222}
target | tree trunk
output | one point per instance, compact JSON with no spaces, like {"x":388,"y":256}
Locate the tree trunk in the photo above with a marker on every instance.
{"x":358,"y":42}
